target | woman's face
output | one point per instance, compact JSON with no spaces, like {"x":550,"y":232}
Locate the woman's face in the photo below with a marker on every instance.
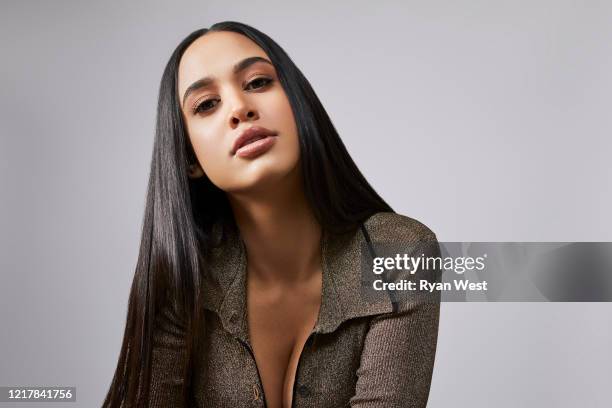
{"x":223,"y":91}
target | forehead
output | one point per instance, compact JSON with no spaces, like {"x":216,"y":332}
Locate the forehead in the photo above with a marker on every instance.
{"x":214,"y":54}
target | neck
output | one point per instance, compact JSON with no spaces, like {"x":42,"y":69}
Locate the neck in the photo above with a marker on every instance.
{"x":281,"y":235}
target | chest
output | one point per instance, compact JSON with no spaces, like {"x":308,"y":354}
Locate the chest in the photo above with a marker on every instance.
{"x":228,"y":377}
{"x":280,"y":321}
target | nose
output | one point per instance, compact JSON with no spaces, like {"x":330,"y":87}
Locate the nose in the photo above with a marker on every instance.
{"x":242,"y":113}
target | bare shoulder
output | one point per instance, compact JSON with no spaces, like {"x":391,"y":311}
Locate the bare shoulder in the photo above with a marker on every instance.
{"x":394,"y":227}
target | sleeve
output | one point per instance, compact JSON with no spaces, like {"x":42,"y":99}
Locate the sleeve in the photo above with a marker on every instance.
{"x":399,"y":350}
{"x":397,"y":359}
{"x":167,"y":361}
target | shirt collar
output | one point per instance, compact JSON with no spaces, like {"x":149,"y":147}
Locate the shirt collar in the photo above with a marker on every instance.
{"x":225,"y":285}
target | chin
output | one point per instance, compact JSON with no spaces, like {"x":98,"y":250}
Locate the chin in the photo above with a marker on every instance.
{"x":263,"y":175}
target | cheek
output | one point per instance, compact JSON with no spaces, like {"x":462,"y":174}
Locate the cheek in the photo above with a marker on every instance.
{"x":209,"y":152}
{"x":279,"y":113}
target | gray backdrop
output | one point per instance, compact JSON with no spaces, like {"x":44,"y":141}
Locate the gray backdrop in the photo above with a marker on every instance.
{"x":486,"y":120}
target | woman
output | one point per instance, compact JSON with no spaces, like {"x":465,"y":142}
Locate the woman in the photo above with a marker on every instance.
{"x":246,"y":290}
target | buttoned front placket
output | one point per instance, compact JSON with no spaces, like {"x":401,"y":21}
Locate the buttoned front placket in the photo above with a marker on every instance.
{"x":258,"y":390}
{"x":300,"y":389}
{"x":234,"y":322}
{"x":233,"y":317}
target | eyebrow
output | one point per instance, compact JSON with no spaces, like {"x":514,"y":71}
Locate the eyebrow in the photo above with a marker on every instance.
{"x":238,"y":67}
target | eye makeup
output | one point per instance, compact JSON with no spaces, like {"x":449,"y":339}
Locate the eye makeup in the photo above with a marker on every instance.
{"x":202,"y":105}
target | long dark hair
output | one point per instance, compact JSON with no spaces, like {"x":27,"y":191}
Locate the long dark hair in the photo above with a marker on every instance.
{"x":180,"y":213}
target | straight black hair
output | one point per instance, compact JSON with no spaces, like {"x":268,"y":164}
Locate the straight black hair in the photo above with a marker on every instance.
{"x":180,"y":214}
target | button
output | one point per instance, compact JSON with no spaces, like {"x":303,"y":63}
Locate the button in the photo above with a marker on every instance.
{"x":256,"y":393}
{"x":303,"y":391}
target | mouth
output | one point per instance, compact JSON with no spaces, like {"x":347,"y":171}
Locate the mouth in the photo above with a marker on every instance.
{"x":253,"y":141}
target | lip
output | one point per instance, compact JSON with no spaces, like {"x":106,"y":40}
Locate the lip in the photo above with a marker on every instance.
{"x":249,"y":136}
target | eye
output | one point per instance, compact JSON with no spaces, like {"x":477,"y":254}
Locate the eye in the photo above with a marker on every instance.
{"x":261,"y":81}
{"x":205,"y":106}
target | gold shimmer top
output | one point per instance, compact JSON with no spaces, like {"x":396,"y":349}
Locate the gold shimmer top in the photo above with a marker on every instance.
{"x":359,"y":354}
